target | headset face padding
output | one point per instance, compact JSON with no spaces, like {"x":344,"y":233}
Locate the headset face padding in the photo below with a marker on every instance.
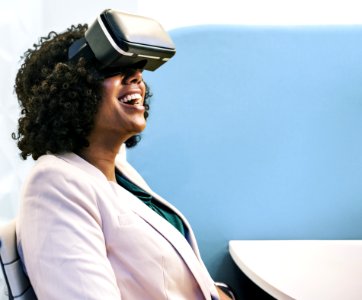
{"x":118,"y":40}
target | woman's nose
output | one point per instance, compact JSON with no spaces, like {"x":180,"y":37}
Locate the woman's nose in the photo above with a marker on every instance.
{"x":133,"y":77}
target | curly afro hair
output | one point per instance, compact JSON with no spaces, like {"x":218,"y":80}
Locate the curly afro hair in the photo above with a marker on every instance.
{"x":58,"y":99}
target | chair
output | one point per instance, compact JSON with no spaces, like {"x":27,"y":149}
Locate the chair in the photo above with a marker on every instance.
{"x":17,"y":281}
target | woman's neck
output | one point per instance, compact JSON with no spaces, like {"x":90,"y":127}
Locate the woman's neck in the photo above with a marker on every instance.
{"x":102,"y":155}
{"x":105,"y":163}
{"x":102,"y":151}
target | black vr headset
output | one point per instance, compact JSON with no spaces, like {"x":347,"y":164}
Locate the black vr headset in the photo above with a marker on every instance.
{"x":119,"y":40}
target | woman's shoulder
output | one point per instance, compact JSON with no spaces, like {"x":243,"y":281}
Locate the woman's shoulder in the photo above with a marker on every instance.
{"x":65,"y":178}
{"x":67,"y":168}
{"x":52,"y":165}
{"x":68,"y":163}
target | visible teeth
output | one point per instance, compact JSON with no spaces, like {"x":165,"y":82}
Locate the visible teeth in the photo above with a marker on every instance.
{"x":129,"y":98}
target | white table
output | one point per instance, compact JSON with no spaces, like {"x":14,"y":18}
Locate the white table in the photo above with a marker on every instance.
{"x":302,"y":269}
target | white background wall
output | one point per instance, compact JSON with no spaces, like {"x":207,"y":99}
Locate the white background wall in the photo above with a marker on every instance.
{"x":22,"y":22}
{"x":270,"y":12}
{"x":255,"y":12}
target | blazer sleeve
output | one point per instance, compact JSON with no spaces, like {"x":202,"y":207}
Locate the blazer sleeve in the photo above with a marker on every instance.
{"x":61,"y":239}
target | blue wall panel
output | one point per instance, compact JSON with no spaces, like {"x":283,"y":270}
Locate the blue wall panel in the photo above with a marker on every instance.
{"x":256,"y":133}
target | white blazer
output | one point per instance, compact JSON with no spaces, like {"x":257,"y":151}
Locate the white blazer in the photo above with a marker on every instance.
{"x":81,"y":236}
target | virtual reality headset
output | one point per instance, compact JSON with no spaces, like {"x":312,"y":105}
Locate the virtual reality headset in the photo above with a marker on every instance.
{"x":119,"y":40}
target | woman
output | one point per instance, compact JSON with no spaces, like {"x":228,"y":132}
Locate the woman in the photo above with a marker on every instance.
{"x":84,"y":231}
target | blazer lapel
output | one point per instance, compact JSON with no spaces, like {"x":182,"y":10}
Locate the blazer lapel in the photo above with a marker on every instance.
{"x":172,"y":235}
{"x":187,"y":249}
{"x":134,"y":176}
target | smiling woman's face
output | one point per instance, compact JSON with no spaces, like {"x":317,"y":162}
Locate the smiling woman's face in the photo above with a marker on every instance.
{"x":121,"y":111}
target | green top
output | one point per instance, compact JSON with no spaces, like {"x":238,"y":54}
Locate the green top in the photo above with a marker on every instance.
{"x":151,"y":202}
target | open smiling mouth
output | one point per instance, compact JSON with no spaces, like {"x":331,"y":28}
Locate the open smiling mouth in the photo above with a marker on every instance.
{"x":131,"y":99}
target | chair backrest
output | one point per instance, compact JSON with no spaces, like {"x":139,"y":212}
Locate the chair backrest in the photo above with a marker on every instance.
{"x":16,"y":280}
